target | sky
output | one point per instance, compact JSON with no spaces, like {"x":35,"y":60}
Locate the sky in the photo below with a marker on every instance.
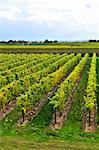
{"x":63,"y":20}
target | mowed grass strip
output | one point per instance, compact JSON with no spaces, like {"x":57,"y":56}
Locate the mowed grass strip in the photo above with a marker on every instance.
{"x":18,"y":143}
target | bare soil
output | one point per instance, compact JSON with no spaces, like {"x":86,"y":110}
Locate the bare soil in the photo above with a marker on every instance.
{"x":89,"y":120}
{"x":9,"y":107}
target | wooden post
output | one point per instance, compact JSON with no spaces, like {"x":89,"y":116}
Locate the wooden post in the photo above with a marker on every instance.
{"x":84,"y":119}
{"x":55,"y":115}
{"x":92,"y":120}
{"x":23,"y":114}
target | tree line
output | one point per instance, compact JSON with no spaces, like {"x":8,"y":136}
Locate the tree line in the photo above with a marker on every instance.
{"x":24,"y":42}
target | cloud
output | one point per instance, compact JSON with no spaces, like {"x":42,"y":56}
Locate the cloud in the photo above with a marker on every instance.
{"x":72,"y":15}
{"x":10,"y":13}
{"x":88,"y":5}
{"x":50,"y":10}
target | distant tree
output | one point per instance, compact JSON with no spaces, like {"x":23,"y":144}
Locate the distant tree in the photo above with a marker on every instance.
{"x":50,"y":41}
{"x":46,"y":41}
{"x":92,"y":40}
{"x":3,"y":42}
{"x":55,"y":41}
{"x":10,"y":41}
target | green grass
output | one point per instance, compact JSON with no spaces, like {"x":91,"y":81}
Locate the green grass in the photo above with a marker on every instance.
{"x":43,"y":118}
{"x":18,"y":143}
{"x":7,"y":124}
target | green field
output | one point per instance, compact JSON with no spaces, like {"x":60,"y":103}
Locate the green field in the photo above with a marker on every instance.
{"x":64,"y":44}
{"x":43,"y":98}
{"x":60,"y":47}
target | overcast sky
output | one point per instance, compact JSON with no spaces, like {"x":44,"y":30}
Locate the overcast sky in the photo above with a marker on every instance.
{"x":49,"y":19}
